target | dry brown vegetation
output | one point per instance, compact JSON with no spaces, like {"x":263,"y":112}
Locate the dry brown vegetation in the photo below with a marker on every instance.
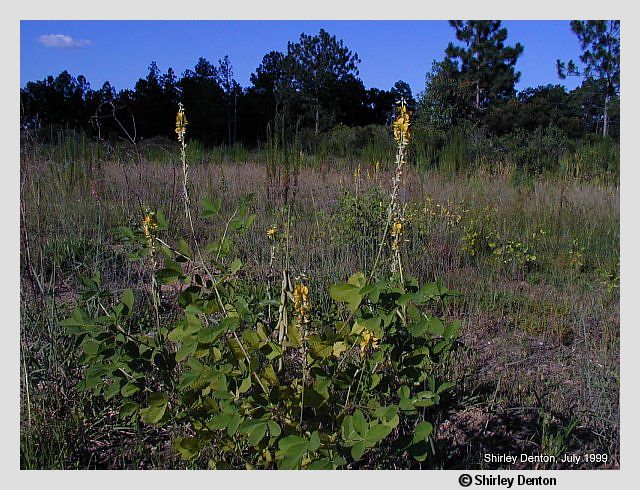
{"x":540,"y":340}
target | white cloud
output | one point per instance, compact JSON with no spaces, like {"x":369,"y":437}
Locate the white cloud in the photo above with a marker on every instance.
{"x":62,"y":41}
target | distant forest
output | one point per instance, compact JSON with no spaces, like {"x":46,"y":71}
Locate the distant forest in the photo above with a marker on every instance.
{"x":315,"y":86}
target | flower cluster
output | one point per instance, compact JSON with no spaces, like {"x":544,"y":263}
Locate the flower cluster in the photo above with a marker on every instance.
{"x":396,"y":229}
{"x":401,"y":125}
{"x":301,"y":300}
{"x":149,"y":228}
{"x":149,"y":225}
{"x":181,"y":123}
{"x":396,"y":234}
{"x":368,"y":341}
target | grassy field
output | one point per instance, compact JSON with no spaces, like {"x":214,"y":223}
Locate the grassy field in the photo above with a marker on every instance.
{"x":535,"y":258}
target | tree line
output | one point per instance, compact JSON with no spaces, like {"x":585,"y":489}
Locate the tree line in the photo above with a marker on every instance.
{"x":315,"y":84}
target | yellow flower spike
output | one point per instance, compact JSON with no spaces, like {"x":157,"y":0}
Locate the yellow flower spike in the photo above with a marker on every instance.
{"x":181,"y":123}
{"x":149,"y":225}
{"x":401,"y":124}
{"x":377,"y":167}
{"x":301,"y":299}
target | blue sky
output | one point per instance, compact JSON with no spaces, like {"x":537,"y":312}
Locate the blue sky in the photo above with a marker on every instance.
{"x":121,"y":51}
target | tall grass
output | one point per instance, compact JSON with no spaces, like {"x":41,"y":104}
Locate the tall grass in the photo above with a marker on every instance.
{"x":557,"y":323}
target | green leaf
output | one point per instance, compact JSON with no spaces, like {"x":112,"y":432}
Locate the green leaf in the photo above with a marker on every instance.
{"x":127,"y":409}
{"x":183,"y":248}
{"x":110,"y":390}
{"x":418,"y":329}
{"x":167,"y":275}
{"x":251,"y":338}
{"x":405,"y":298}
{"x":360,"y":424}
{"x":387,"y":413}
{"x":189,"y":378}
{"x":210,"y":208}
{"x":425,"y":399}
{"x":404,"y":392}
{"x":234,"y":423}
{"x":269,"y":376}
{"x":346,"y":293}
{"x":436,"y":327}
{"x":451,"y":330}
{"x":318,"y":348}
{"x":406,"y":405}
{"x":125,"y":233}
{"x":274,"y":428}
{"x":445,"y":386}
{"x":373,"y":325}
{"x":422,"y":431}
{"x":235,"y":266}
{"x":440,"y":346}
{"x":292,"y":448}
{"x":314,"y":441}
{"x":372,"y":291}
{"x":220,"y":421}
{"x":245,"y":385}
{"x":357,"y":450}
{"x":273,"y":351}
{"x":358,"y":279}
{"x":186,"y":349}
{"x":236,"y":349}
{"x":339,"y":348}
{"x":346,"y":429}
{"x":358,"y":327}
{"x":377,"y":433}
{"x":91,"y":347}
{"x":157,"y":405}
{"x":430,"y":290}
{"x":162,"y":220}
{"x":188,"y":447}
{"x":208,"y":335}
{"x":230,"y":323}
{"x":131,"y":388}
{"x":127,"y":300}
{"x":257,"y":433}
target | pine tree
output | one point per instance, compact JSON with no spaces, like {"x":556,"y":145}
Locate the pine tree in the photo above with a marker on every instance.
{"x":318,"y":61}
{"x":600,"y":44}
{"x":484,"y":60}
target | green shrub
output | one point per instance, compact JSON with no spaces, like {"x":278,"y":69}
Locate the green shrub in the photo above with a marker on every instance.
{"x":325,"y":394}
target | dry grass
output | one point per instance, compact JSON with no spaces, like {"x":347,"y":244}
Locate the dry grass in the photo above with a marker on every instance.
{"x":540,"y":341}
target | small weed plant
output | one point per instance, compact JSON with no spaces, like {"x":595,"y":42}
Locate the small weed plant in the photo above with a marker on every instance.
{"x":481,"y":237}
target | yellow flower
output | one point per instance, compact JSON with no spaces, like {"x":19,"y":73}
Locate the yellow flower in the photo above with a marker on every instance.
{"x":149,"y":225}
{"x":271,"y":232}
{"x":301,"y":299}
{"x":377,"y":167}
{"x":396,"y":229}
{"x":181,"y":123}
{"x":368,"y":341}
{"x":401,"y":124}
